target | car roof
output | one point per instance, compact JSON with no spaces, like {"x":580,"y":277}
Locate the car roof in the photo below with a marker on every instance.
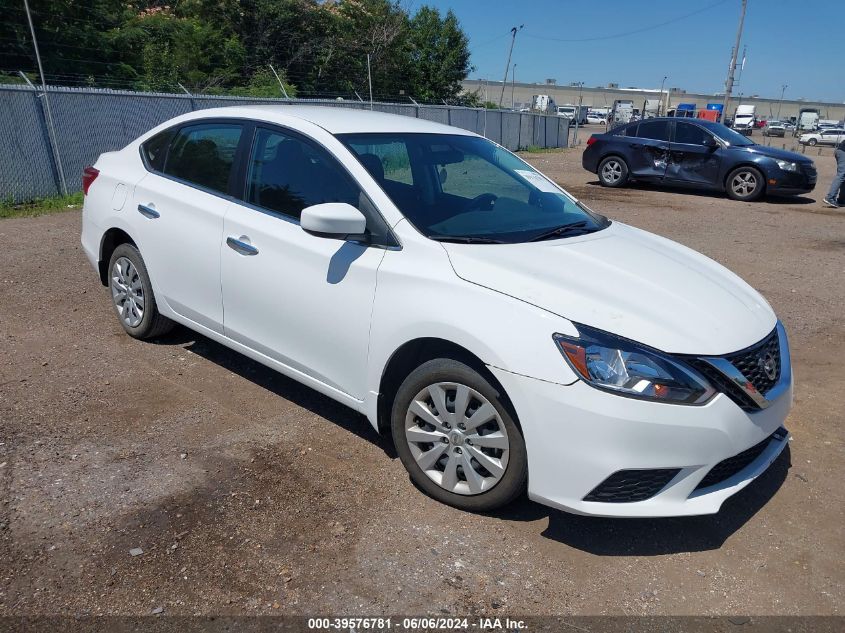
{"x":334,"y":119}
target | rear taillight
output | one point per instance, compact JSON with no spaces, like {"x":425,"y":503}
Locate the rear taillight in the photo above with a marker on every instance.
{"x":591,"y":140}
{"x":89,"y":175}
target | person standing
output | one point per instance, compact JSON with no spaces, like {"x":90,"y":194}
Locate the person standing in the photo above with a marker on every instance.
{"x":832,"y":198}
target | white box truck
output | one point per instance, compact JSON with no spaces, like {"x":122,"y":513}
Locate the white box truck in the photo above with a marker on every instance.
{"x":573,"y":112}
{"x":543,"y":104}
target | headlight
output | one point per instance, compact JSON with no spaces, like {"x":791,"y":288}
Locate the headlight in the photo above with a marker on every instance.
{"x":787,"y":166}
{"x":624,"y":367}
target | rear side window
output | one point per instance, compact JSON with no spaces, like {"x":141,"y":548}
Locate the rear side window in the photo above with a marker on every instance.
{"x":203,"y":154}
{"x":155,"y":149}
{"x":287,"y":174}
{"x":655,"y":130}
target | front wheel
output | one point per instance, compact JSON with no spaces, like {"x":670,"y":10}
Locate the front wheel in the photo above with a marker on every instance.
{"x":745,"y":184}
{"x":613,"y":172}
{"x":456,"y":438}
{"x":812,"y":142}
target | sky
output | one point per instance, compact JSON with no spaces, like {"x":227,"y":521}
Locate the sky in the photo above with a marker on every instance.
{"x":800,"y":43}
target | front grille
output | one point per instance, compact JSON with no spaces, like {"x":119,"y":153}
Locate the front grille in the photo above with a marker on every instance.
{"x":626,"y":486}
{"x":751,"y":361}
{"x":729,"y":467}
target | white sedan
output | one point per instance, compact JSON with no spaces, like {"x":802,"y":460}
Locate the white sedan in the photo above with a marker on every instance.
{"x":507,"y":337}
{"x":597,"y":118}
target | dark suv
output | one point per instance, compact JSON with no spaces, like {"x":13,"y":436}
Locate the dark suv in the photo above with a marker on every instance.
{"x":696,"y":153}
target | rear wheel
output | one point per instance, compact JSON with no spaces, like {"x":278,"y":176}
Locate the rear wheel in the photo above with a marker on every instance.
{"x":613,"y":172}
{"x":745,"y":183}
{"x":132,"y":295}
{"x":456,"y":438}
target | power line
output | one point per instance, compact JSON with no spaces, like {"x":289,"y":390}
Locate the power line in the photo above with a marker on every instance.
{"x":627,"y":33}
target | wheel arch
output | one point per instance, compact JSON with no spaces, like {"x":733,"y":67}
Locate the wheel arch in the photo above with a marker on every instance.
{"x":111,"y":239}
{"x":410,"y":355}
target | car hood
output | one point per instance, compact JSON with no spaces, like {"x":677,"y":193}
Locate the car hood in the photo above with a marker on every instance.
{"x":779,"y":154}
{"x":628,"y":282}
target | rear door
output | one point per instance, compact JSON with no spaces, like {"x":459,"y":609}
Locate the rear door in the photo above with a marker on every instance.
{"x":179,"y":208}
{"x":649,"y":149}
{"x":691,"y":159}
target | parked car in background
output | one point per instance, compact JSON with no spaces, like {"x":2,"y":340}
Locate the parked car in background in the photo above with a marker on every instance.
{"x":774,"y":128}
{"x":596,"y":118}
{"x":823,"y":137}
{"x":696,"y":153}
{"x":325,"y":243}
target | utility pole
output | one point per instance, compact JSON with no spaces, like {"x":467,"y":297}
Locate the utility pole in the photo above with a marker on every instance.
{"x":729,"y":83}
{"x":782,"y":90}
{"x":370,"y":80}
{"x":660,"y":103}
{"x":52,"y":127}
{"x":513,"y":82}
{"x":508,"y":65}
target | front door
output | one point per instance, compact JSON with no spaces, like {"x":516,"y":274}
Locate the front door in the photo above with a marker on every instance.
{"x":302,"y":300}
{"x":693,"y":157}
{"x":649,"y":149}
{"x":183,"y":207}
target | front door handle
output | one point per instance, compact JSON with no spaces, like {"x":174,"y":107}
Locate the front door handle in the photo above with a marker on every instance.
{"x":241,"y":247}
{"x":148,"y":211}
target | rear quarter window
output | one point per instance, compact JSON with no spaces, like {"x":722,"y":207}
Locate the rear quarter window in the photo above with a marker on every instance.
{"x":155,"y":149}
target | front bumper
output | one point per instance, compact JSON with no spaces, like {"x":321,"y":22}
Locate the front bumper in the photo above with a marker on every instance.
{"x":578,"y":436}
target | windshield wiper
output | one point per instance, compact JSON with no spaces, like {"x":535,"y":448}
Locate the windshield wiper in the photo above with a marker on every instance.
{"x":572,"y":228}
{"x":465,"y":239}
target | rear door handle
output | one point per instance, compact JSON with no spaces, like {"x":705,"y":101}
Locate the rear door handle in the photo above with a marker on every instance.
{"x":241,"y":247}
{"x":148,"y":211}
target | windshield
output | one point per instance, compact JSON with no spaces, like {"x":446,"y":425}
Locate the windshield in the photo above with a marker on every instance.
{"x":466,"y":188}
{"x":726,"y":134}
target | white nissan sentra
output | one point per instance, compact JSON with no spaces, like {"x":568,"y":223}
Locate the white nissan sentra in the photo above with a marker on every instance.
{"x":508,"y":337}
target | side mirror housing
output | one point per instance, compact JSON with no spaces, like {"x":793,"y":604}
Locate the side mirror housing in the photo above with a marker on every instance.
{"x":334,"y":220}
{"x":711,"y":142}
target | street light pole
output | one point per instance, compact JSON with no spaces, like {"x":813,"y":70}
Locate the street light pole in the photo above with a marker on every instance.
{"x":782,"y":90}
{"x":729,"y":82}
{"x":578,"y":113}
{"x":508,"y":65}
{"x":660,"y":104}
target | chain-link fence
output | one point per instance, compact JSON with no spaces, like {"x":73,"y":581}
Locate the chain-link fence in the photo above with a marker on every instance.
{"x":90,"y":121}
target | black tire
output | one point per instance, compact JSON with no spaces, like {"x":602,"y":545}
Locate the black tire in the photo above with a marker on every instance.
{"x":510,"y":485}
{"x":738,"y":191}
{"x":152,"y":324}
{"x":812,"y":142}
{"x":613,"y":172}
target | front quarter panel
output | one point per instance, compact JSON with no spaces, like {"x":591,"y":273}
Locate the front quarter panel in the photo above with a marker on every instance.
{"x":420,"y":296}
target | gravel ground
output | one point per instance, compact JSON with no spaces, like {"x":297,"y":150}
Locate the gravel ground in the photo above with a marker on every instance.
{"x":178,"y":475}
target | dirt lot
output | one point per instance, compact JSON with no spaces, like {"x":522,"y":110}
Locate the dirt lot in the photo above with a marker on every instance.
{"x":248,"y":493}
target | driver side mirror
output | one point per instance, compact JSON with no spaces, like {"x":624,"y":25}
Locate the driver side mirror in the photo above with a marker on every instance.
{"x":334,"y":220}
{"x":711,"y":142}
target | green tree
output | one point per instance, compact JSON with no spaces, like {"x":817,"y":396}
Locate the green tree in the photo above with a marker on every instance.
{"x":438,"y":55}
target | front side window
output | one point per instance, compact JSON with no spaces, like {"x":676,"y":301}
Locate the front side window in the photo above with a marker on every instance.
{"x":655,"y":130}
{"x":689,"y":134}
{"x":466,"y":188}
{"x":203,"y":154}
{"x":287,"y":174}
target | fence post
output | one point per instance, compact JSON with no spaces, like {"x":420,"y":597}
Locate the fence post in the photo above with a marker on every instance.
{"x":48,"y":139}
